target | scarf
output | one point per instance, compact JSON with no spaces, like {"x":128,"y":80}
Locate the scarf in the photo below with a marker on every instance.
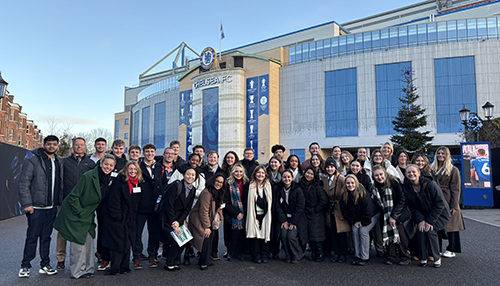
{"x":389,"y":234}
{"x":275,"y":178}
{"x":132,"y":183}
{"x":103,"y":180}
{"x":237,"y":204}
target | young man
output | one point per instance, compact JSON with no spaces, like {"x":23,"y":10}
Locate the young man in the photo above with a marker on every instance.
{"x":313,"y":149}
{"x":40,"y":194}
{"x":134,"y":153}
{"x":150,"y":190}
{"x":200,"y":150}
{"x":212,"y":166}
{"x":176,"y":146}
{"x":72,"y":169}
{"x":248,"y":162}
{"x":118,"y":150}
{"x":278,"y":150}
{"x":480,"y":171}
{"x":100,"y":146}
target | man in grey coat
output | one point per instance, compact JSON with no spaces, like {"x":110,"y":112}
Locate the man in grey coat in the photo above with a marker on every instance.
{"x":39,"y":194}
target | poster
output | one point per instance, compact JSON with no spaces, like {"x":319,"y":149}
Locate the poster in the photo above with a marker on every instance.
{"x":252,"y":115}
{"x":476,"y":174}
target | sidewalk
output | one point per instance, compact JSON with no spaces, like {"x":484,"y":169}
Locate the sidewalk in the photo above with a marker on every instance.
{"x":487,"y":216}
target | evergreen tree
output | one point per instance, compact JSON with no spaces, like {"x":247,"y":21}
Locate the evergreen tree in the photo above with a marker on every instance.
{"x":410,"y":119}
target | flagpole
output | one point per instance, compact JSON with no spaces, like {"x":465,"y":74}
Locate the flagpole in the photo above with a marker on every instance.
{"x":220,"y":46}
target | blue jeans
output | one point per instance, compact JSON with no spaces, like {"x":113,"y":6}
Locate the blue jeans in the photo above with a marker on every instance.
{"x":39,"y":227}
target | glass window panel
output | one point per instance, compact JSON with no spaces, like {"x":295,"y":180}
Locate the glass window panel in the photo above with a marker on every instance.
{"x":291,"y":54}
{"x":376,"y":38}
{"x":452,"y":29}
{"x":305,"y":52}
{"x":412,"y":34}
{"x":298,"y":53}
{"x":319,"y":49}
{"x":441,"y":32}
{"x":422,"y":33}
{"x":367,"y":40}
{"x":350,"y":43}
{"x":342,"y":45}
{"x":431,"y":32}
{"x":358,"y":38}
{"x":312,"y":50}
{"x":492,"y":26}
{"x":393,"y":37}
{"x":462,"y":29}
{"x":481,"y":27}
{"x":327,"y":47}
{"x":384,"y":37}
{"x":403,"y":35}
{"x":471,"y":28}
{"x":335,"y":47}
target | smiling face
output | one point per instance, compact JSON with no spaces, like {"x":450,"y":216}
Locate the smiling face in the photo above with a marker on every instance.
{"x":132,"y":171}
{"x":200,"y":152}
{"x":402,"y":159}
{"x":314,"y":149}
{"x":441,"y":156}
{"x":189,"y":176}
{"x":134,"y":154}
{"x":100,"y":146}
{"x":274,"y":164}
{"x":379,"y":176}
{"x":413,"y":174}
{"x":230,"y":159}
{"x":294,"y":163}
{"x":248,"y":154}
{"x":168,"y":155}
{"x":260,"y":175}
{"x":350,"y":184}
{"x":420,"y":162}
{"x":362,"y":154}
{"x":336,"y":153}
{"x":287,"y":179}
{"x":194,"y":161}
{"x":176,"y":148}
{"x":149,"y":154}
{"x":238,"y":173}
{"x":107,"y":165}
{"x":377,"y":158}
{"x":79,"y":147}
{"x":212,"y":159}
{"x":330,"y":170}
{"x":315,"y":162}
{"x":355,"y":167}
{"x":51,"y":147}
{"x":309,"y":175}
{"x":118,"y":150}
{"x":386,"y":150}
{"x":345,"y":158}
{"x":219,"y":182}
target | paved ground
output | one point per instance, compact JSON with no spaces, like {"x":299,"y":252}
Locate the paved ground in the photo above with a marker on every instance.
{"x":477,"y":265}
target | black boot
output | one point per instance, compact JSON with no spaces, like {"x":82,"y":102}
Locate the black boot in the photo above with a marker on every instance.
{"x":314,"y":251}
{"x":319,"y":257}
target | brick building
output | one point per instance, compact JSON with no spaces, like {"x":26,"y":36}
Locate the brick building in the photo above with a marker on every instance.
{"x":15,"y":127}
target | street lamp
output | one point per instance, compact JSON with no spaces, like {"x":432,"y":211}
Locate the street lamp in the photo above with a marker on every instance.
{"x":464,"y":115}
{"x":488,"y":110}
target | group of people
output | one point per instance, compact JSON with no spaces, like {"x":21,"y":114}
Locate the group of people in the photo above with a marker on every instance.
{"x":330,"y":207}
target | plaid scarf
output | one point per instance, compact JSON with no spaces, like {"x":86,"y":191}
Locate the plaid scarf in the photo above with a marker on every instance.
{"x":389,"y":234}
{"x":236,"y":202}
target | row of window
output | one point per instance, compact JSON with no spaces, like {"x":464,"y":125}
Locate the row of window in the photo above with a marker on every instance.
{"x":398,"y":37}
{"x":160,"y":87}
{"x":159,"y":126}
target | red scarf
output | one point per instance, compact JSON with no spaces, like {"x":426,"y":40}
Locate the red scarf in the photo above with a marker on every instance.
{"x":132,"y":183}
{"x":240,"y":187}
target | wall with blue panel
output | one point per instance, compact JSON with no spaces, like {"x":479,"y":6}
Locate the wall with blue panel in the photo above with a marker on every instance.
{"x":301,"y":153}
{"x":135,"y":131}
{"x":341,"y":103}
{"x":159,"y":126}
{"x":455,"y":87}
{"x":388,"y":91}
{"x":145,"y":126}
{"x":211,"y":119}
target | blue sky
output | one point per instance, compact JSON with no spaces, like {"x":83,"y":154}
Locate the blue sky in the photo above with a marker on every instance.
{"x":70,"y":60}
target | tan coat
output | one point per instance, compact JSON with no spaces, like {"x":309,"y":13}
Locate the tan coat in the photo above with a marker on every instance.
{"x":201,"y":217}
{"x":334,"y":193}
{"x":450,"y":185}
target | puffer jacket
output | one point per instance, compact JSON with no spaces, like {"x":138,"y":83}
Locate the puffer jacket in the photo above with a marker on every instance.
{"x":72,"y":170}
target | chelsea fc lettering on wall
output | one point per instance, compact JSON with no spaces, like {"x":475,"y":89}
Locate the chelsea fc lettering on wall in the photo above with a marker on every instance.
{"x":212,"y":81}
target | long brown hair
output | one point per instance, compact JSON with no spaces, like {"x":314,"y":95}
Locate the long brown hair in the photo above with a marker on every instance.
{"x":358,"y":193}
{"x":124,"y":171}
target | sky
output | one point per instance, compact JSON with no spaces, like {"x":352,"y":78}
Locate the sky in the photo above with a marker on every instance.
{"x":70,"y":60}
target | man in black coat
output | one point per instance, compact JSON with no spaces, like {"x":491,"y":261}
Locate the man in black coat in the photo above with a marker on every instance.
{"x":248,"y":162}
{"x":72,"y":169}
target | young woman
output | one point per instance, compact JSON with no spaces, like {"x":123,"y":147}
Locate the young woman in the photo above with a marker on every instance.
{"x":345,"y":162}
{"x":291,"y":219}
{"x":75,"y":221}
{"x":228,"y":162}
{"x":390,"y":198}
{"x":334,"y":184}
{"x":421,"y":160}
{"x":259,"y":215}
{"x":402,"y":158}
{"x":274,"y":170}
{"x":318,"y":164}
{"x":430,"y":211}
{"x":119,"y":214}
{"x":356,"y":207}
{"x":202,"y":217}
{"x":316,"y":201}
{"x":360,"y":174}
{"x":235,"y":211}
{"x":293,"y":164}
{"x":378,"y":159}
{"x":336,"y":152}
{"x":448,"y":178}
{"x":179,"y":200}
{"x":388,"y":153}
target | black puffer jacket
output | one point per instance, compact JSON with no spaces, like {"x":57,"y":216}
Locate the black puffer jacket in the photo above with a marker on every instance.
{"x":34,"y":185}
{"x":357,"y":212}
{"x":72,"y":170}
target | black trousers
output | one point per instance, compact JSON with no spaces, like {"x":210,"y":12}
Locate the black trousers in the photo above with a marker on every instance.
{"x":173,"y":251}
{"x":215,"y":241}
{"x":338,"y":240}
{"x":259,"y":247}
{"x":140,"y":222}
{"x":104,"y":251}
{"x":39,"y":228}
{"x":454,"y":244}
{"x":237,"y":242}
{"x":428,"y":244}
{"x":120,"y":261}
{"x":401,"y":248}
{"x":206,"y":250}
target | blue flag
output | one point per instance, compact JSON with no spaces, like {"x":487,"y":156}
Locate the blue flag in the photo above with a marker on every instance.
{"x":221,"y":32}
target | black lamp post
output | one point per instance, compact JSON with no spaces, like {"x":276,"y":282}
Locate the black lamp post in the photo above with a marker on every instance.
{"x":488,"y":113}
{"x":488,"y":110}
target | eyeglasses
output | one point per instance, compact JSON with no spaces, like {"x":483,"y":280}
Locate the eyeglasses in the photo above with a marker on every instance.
{"x":51,"y":144}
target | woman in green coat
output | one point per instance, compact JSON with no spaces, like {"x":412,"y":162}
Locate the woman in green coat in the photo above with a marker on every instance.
{"x":75,"y":221}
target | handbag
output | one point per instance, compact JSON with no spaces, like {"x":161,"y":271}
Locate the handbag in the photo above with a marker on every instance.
{"x":216,"y":222}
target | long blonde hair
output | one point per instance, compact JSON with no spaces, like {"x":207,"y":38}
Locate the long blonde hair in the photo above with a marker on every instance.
{"x":231,"y":178}
{"x":124,"y":171}
{"x":358,"y":193}
{"x":447,"y":165}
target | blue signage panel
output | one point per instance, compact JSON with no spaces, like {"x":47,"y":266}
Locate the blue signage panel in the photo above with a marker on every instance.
{"x":211,"y":119}
{"x":264,"y":94}
{"x":182,"y":108}
{"x":476,"y":174}
{"x":252,"y":115}
{"x":189,"y":123}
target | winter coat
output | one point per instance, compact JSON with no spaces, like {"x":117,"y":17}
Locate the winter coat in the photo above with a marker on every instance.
{"x":249,"y":167}
{"x":201,"y":217}
{"x":316,"y":201}
{"x":334,"y":193}
{"x":450,"y":185}
{"x":430,"y":206}
{"x":118,"y":215}
{"x":230,"y":211}
{"x":177,"y":206}
{"x":72,"y":170}
{"x":34,"y":184}
{"x":293,"y":212}
{"x":361,"y":212}
{"x":76,"y":217}
{"x":151,"y":188}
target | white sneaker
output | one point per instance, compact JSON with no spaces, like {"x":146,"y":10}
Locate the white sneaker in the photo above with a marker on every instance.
{"x":47,"y":270}
{"x":449,"y":254}
{"x":24,"y":272}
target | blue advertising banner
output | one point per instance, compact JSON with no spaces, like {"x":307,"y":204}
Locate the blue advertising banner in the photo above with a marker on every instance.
{"x":476,"y":174}
{"x":264,"y":94}
{"x":182,"y":108}
{"x":252,"y":115}
{"x":211,"y":119}
{"x":189,"y":121}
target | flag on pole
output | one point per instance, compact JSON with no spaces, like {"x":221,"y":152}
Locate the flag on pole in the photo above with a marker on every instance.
{"x":221,"y":32}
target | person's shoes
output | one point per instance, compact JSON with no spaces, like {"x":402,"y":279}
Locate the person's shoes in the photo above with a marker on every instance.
{"x":109,"y":272}
{"x":177,"y":268}
{"x":320,"y":258}
{"x":24,"y":272}
{"x":143,"y":257}
{"x":87,"y":275}
{"x":204,"y":267}
{"x":437,"y":264}
{"x":341,"y":259}
{"x":152,"y":263}
{"x":125,"y":271}
{"x":47,"y":269}
{"x":169,"y":268}
{"x":296,"y":261}
{"x":186,"y":261}
{"x":256,"y":260}
{"x":225,"y":255}
{"x":389,"y":262}
{"x":362,"y":262}
{"x":404,"y":262}
{"x":215,"y":256}
{"x":105,"y":265}
{"x":423,"y":263}
{"x":98,"y":255}
{"x":264,"y":258}
{"x":137,"y":264}
{"x":334,"y":257}
{"x":60,"y":265}
{"x":449,"y":254}
{"x":431,"y":258}
{"x":380,"y":254}
{"x":355,"y":261}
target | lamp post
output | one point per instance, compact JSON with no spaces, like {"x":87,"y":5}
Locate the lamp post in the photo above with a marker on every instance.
{"x":465,"y":115}
{"x":488,"y":110}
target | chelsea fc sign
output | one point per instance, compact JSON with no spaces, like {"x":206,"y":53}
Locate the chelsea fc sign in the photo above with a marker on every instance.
{"x":208,"y":58}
